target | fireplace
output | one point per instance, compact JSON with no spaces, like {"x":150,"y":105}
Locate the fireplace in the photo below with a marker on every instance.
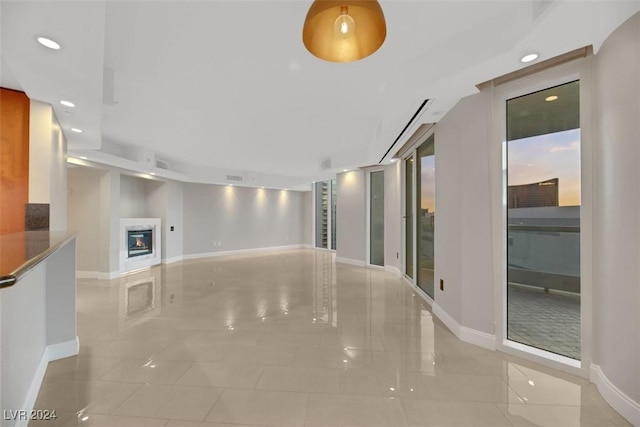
{"x":140,"y":242}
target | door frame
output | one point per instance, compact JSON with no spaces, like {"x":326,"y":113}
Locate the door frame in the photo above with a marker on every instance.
{"x":579,"y":69}
{"x":368,"y":173}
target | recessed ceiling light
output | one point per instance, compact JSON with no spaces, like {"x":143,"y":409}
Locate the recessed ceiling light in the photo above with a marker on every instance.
{"x":48,"y":43}
{"x":551,"y":98}
{"x":67,"y":103}
{"x":76,"y":130}
{"x":530,"y":57}
{"x":345,"y":170}
{"x":152,"y":173}
{"x":83,"y":157}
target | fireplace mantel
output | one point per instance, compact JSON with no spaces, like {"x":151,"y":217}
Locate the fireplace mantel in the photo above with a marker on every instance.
{"x":147,"y":232}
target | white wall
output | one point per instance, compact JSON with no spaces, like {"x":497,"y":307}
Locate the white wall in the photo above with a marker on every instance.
{"x":450,"y":137}
{"x":23,"y":341}
{"x":240,"y":218}
{"x":133,"y":197}
{"x":84,"y":215}
{"x":307,"y":217}
{"x":616,"y":294}
{"x":463,"y":214}
{"x":40,"y":118}
{"x":47,"y":164}
{"x":109,"y":250}
{"x":58,"y":179}
{"x":164,"y":200}
{"x":351,"y":216}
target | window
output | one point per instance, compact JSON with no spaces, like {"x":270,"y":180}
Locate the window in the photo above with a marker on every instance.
{"x":426,"y":194}
{"x":376,"y":218}
{"x":543,"y":219}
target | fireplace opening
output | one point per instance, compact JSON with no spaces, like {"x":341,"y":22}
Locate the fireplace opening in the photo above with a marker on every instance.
{"x":140,"y":242}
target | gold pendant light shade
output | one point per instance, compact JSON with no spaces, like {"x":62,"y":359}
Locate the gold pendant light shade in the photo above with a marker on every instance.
{"x":344,"y":31}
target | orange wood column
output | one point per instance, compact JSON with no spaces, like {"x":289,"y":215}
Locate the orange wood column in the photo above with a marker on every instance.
{"x":14,"y":160}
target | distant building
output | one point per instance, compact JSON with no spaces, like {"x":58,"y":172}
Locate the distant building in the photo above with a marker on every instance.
{"x":537,"y":194}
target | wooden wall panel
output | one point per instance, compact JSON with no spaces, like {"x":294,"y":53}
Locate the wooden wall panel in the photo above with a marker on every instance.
{"x":14,"y":160}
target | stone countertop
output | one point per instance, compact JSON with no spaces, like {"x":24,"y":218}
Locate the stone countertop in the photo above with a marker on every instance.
{"x":19,"y":252}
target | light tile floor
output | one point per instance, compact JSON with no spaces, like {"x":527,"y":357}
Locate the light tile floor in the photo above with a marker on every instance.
{"x":290,"y":339}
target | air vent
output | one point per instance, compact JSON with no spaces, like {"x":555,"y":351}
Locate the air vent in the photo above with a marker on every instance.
{"x":234,"y":178}
{"x":161,"y":164}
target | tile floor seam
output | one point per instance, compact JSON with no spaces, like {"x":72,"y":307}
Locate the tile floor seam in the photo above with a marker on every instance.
{"x":213,"y":406}
{"x":125,"y":400}
{"x":191,"y":364}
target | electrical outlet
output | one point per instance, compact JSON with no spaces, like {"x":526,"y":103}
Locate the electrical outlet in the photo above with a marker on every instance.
{"x":172,"y":228}
{"x":442,"y":284}
{"x":397,"y":255}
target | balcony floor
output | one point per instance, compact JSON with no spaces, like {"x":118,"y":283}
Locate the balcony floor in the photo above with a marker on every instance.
{"x":547,"y":320}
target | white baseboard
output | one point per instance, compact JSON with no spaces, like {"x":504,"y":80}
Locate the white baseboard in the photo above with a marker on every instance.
{"x":50,"y":353}
{"x":626,"y":406}
{"x":172,"y":259}
{"x":87,"y":274}
{"x":479,"y":338}
{"x":449,"y":321}
{"x":323,"y":249}
{"x":350,"y":261}
{"x":63,"y":349}
{"x":97,"y":275}
{"x":108,"y":275}
{"x":241,"y":252}
{"x":393,"y":269}
{"x":468,"y":335}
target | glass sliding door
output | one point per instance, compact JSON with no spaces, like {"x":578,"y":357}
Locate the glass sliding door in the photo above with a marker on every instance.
{"x":425,"y":206}
{"x":543,"y":219}
{"x":376,"y":218}
{"x":408,"y":217}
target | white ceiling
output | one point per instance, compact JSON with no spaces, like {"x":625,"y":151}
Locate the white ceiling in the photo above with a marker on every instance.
{"x":220,"y":87}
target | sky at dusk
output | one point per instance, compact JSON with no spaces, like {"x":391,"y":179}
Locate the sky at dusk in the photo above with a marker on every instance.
{"x":428,"y":189}
{"x":539,"y":158}
{"x":530,"y":160}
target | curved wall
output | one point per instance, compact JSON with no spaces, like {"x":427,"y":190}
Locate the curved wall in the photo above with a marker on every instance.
{"x":616,"y":255}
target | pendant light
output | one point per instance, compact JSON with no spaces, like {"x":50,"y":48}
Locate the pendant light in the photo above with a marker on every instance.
{"x":344,"y":31}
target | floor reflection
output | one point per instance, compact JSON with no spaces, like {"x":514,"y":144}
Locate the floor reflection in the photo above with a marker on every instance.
{"x":291,"y":338}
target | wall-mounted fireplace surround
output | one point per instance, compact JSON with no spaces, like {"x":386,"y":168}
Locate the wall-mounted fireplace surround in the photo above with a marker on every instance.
{"x":140,"y":245}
